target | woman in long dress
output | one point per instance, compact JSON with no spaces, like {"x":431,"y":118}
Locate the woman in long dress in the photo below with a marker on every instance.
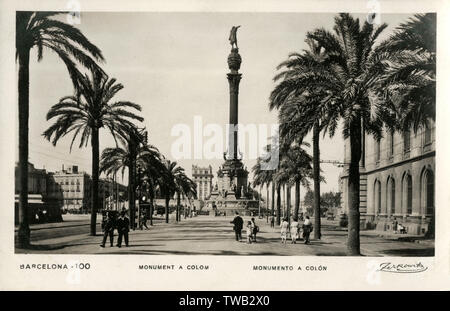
{"x":284,"y":229}
{"x":295,"y":226}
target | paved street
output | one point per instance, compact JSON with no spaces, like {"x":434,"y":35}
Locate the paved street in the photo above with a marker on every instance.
{"x":204,"y":235}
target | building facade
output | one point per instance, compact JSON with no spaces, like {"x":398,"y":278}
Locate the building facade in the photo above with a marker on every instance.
{"x":202,"y":176}
{"x":37,"y":183}
{"x":70,"y":190}
{"x":397,"y":181}
{"x":40,"y":201}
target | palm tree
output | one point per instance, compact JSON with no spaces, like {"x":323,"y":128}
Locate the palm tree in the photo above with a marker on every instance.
{"x":292,"y":102}
{"x":264,"y":167}
{"x":186,"y":187}
{"x":345,"y":78}
{"x":85,"y":113}
{"x":408,"y":84}
{"x":37,"y":29}
{"x":168,"y":183}
{"x":134,"y":154}
{"x":353,"y":67}
{"x":263,"y":177}
{"x":297,"y":164}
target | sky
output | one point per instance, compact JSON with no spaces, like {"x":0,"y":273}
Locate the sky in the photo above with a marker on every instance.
{"x":174,"y":66}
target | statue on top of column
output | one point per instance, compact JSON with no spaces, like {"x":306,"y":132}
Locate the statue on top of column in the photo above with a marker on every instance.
{"x":233,"y":36}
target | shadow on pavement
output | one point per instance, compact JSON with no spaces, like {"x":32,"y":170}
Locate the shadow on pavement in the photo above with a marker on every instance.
{"x":410,"y":252}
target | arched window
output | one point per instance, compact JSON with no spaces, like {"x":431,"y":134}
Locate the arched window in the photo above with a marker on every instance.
{"x":409,"y":195}
{"x":391,"y":144}
{"x":429,"y":192}
{"x":391,"y":196}
{"x":406,"y":141}
{"x":377,"y":197}
{"x":377,"y":151}
{"x":427,"y":138}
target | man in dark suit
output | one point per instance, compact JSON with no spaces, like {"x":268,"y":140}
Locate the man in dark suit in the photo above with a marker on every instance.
{"x":108,"y":230}
{"x":238,"y":222}
{"x":123,"y":227}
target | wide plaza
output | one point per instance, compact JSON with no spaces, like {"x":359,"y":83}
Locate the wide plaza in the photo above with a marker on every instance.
{"x":205,"y":235}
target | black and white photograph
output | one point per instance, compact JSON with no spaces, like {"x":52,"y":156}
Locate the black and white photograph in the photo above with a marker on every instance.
{"x":121,"y":143}
{"x":224,"y":133}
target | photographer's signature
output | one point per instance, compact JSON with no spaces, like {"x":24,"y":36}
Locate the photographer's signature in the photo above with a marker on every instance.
{"x":402,"y":268}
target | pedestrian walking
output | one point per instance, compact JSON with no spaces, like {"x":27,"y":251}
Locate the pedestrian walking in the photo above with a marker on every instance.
{"x":249,"y":232}
{"x":395,"y":225}
{"x":123,"y":227}
{"x":108,"y":229}
{"x":255,"y":229}
{"x":143,"y":222}
{"x":295,"y":227}
{"x":284,"y":230}
{"x":307,"y":228}
{"x":272,"y":221}
{"x":238,"y":223}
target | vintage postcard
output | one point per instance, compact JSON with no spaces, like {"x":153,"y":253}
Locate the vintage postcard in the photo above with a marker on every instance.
{"x":224,"y":145}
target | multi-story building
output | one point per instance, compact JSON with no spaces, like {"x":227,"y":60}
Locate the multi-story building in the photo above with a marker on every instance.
{"x":202,"y":176}
{"x":36,"y":180}
{"x":397,"y":181}
{"x":40,"y":200}
{"x":72,"y":188}
{"x":69,"y":189}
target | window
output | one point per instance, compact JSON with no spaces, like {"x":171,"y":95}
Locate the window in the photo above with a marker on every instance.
{"x":390,"y":194}
{"x":429,"y":192}
{"x":409,"y":195}
{"x":379,"y":198}
{"x":427,"y":136}
{"x":377,"y":151}
{"x":391,"y":144}
{"x":406,"y":141}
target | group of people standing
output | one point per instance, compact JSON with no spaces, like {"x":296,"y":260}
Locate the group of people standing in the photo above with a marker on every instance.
{"x":122,"y":224}
{"x":293,"y":229}
{"x":251,"y":229}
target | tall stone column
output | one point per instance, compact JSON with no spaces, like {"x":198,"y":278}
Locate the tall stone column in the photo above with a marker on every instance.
{"x":234,"y":77}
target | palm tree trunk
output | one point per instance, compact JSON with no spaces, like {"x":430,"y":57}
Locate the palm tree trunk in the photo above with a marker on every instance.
{"x":95,"y":176}
{"x":24,"y":84}
{"x":316,"y":173}
{"x":132,"y":184}
{"x":178,"y":206}
{"x":151,"y":206}
{"x":278,"y":204}
{"x":297,"y":198}
{"x":353,"y":247}
{"x":288,"y":203}
{"x":167,"y":208}
{"x":273,"y":199}
{"x":267,"y":202}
